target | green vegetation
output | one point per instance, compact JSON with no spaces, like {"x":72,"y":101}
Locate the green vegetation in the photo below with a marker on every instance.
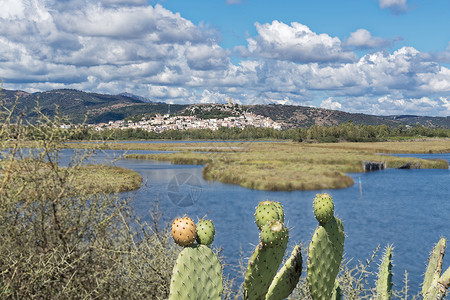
{"x":61,"y":238}
{"x":288,"y":165}
{"x":303,"y":116}
{"x":79,"y":106}
{"x":198,"y":270}
{"x":322,"y":134}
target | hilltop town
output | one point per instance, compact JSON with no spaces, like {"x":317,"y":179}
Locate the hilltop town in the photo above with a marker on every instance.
{"x":198,"y":116}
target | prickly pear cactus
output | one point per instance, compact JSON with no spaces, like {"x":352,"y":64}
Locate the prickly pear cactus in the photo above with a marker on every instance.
{"x":262,"y":267}
{"x":280,"y":210}
{"x":444,"y":283}
{"x":337,"y":292}
{"x":323,"y":208}
{"x":197,"y":275}
{"x":205,"y":232}
{"x":267,"y":211}
{"x":439,"y":290}
{"x":268,"y":255}
{"x":183,"y":231}
{"x":324,"y":258}
{"x":439,"y":283}
{"x":287,"y":277}
{"x":273,"y":233}
{"x":434,"y":267}
{"x":384,"y":282}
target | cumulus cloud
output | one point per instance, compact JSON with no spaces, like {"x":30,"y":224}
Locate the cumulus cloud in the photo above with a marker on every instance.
{"x":115,"y":46}
{"x":396,"y":6}
{"x":330,"y":104}
{"x":295,"y":42}
{"x":363,"y":39}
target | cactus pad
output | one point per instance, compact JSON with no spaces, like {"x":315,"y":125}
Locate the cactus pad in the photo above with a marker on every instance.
{"x":323,"y":208}
{"x":273,"y":233}
{"x":205,"y":232}
{"x":434,"y":267}
{"x":324,"y":258}
{"x":197,"y":275}
{"x":266,"y":211}
{"x":384,"y":282}
{"x":183,"y":231}
{"x":262,"y":267}
{"x":337,"y":291}
{"x":287,"y":277}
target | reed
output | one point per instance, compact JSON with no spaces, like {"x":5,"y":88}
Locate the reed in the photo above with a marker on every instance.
{"x":291,"y":166}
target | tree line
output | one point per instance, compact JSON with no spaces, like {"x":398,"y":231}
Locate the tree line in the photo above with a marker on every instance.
{"x":344,"y":132}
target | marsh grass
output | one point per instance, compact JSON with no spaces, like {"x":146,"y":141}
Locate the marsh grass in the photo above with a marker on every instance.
{"x":293,"y":166}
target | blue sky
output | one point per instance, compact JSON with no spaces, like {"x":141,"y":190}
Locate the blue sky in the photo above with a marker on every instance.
{"x":371,"y":56}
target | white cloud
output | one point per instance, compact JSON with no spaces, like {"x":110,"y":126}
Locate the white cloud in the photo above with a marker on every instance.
{"x":330,"y":104}
{"x":397,"y":6}
{"x":125,"y":2}
{"x":363,"y":39}
{"x":115,"y":46}
{"x":295,"y":43}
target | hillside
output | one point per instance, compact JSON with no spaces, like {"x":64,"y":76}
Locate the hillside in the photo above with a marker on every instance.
{"x":76,"y":105}
{"x":302,"y":116}
{"x":100,"y":108}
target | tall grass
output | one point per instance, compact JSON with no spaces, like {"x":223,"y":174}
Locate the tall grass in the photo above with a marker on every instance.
{"x":289,"y":166}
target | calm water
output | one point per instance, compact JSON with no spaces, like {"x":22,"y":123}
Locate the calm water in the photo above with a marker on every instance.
{"x":407,"y":208}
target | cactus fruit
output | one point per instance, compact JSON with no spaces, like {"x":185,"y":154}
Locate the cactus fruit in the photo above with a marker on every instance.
{"x":266,"y":211}
{"x":280,"y":210}
{"x":323,"y":208}
{"x":205,"y":232}
{"x":183,"y":231}
{"x":287,"y":277}
{"x":434,"y":267}
{"x":273,"y":233}
{"x":384,"y":282}
{"x":324,"y":258}
{"x":197,"y":275}
{"x":262,"y":267}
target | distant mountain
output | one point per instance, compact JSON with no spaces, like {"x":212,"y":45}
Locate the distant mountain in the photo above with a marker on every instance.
{"x":100,"y":108}
{"x":443,"y":122}
{"x":302,"y":116}
{"x":78,"y":105}
{"x":129,"y":95}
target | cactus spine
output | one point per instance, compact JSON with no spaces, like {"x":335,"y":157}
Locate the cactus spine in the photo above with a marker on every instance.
{"x":325,"y":253}
{"x":384,"y":282}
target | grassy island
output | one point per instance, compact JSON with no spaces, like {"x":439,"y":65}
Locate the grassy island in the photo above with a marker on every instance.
{"x":292,"y":166}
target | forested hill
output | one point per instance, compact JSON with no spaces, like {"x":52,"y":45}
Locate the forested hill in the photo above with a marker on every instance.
{"x":303,"y":116}
{"x":76,"y":105}
{"x":100,"y":108}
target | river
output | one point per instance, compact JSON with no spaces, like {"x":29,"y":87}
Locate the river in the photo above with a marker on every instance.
{"x":409,"y":209}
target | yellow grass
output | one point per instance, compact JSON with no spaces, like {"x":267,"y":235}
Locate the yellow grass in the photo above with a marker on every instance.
{"x":292,"y":166}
